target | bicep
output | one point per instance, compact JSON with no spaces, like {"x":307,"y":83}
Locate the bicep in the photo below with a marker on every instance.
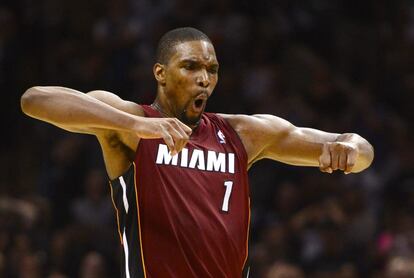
{"x":117,"y":102}
{"x":259,"y":133}
{"x":111,"y":100}
{"x":268,"y":136}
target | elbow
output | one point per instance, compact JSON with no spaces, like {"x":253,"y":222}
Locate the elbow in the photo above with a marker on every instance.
{"x":370,"y":154}
{"x":28,"y":100}
{"x":366,"y":157}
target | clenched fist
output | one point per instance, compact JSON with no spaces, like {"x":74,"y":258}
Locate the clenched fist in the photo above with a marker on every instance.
{"x":338,"y":156}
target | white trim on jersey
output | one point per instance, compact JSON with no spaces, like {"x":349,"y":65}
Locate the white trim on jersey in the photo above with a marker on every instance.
{"x":126,"y":251}
{"x":124,"y":195}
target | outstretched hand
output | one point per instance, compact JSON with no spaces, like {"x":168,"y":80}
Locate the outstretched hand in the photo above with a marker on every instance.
{"x":338,"y":156}
{"x":173,"y":131}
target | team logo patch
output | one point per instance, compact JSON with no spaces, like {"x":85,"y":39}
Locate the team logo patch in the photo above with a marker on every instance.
{"x":221,"y":137}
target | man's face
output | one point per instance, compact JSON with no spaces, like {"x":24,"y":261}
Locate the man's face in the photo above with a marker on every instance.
{"x":190,"y":78}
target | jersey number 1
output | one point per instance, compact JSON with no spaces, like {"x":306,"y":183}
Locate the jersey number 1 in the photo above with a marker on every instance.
{"x":229,"y":187}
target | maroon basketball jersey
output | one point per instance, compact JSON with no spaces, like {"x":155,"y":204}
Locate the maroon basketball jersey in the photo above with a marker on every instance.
{"x":186,"y":215}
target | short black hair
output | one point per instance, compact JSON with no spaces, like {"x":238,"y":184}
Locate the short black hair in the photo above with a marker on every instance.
{"x":170,"y":39}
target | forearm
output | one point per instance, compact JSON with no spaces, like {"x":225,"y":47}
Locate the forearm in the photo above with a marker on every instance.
{"x":364,"y":148}
{"x":67,"y":107}
{"x":330,"y":151}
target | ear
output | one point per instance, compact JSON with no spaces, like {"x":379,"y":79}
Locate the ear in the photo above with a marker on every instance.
{"x":159,"y":73}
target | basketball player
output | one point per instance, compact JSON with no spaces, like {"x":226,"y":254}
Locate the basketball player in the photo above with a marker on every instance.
{"x":179,"y":175}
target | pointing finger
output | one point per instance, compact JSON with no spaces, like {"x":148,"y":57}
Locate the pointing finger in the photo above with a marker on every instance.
{"x":170,"y":143}
{"x":187,"y":130}
{"x":180,"y":144}
{"x":180,"y":137}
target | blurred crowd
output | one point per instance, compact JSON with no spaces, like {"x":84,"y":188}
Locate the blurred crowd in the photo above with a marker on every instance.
{"x":335,"y":65}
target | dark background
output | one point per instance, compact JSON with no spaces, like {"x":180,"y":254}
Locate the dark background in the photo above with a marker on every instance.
{"x":335,"y":65}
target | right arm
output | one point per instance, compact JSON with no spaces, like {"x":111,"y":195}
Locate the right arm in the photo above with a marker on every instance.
{"x":84,"y":113}
{"x":118,"y":124}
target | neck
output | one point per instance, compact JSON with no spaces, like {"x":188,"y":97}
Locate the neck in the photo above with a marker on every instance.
{"x":162,"y":105}
{"x":156,"y":105}
{"x":168,"y":109}
{"x":165,"y":110}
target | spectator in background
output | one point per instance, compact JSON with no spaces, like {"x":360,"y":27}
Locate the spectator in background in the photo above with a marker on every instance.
{"x":94,"y":208}
{"x":365,"y":48}
{"x":400,"y":267}
{"x":93,"y":266}
{"x":284,"y":270}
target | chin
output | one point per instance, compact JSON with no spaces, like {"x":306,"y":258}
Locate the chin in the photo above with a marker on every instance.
{"x":192,"y":121}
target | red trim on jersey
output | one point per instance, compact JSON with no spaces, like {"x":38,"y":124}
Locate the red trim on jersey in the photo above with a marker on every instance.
{"x":139,"y":222}
{"x":117,"y":213}
{"x":247,"y":238}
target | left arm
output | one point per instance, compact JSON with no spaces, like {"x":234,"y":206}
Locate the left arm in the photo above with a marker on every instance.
{"x":268,"y":136}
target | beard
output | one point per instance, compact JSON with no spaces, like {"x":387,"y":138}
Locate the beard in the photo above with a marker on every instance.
{"x":188,"y":117}
{"x":191,"y":121}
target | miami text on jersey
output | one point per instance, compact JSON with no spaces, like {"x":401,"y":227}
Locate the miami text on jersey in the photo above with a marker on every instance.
{"x":200,"y":159}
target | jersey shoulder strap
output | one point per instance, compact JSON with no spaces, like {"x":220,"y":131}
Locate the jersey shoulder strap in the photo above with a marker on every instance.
{"x":150,"y":112}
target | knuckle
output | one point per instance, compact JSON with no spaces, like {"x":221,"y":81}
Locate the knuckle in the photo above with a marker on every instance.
{"x":349,"y":149}
{"x":167,"y":125}
{"x":326,"y":161}
{"x":322,"y":161}
{"x":171,"y":122}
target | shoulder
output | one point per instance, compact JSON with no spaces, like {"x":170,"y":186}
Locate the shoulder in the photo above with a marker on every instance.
{"x":236,"y":123}
{"x":242,"y":125}
{"x":262,"y":123}
{"x":246,"y":126}
{"x":118,"y":147}
{"x":234,"y":119}
{"x":257,"y":131}
{"x":112,"y":137}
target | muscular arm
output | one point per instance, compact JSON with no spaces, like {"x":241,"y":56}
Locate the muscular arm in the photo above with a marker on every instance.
{"x":118,"y":124}
{"x":76,"y":111}
{"x":267,"y":136}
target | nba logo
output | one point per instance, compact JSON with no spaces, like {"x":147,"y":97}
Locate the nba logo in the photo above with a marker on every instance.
{"x":221,"y":137}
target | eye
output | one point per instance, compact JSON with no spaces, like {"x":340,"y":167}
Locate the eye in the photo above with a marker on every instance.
{"x":190,"y":66}
{"x":213,"y":70}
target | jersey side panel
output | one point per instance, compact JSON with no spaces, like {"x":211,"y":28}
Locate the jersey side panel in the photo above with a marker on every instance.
{"x":124,"y":197}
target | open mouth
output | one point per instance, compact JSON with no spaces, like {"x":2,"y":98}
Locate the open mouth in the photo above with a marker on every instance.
{"x":198,"y":103}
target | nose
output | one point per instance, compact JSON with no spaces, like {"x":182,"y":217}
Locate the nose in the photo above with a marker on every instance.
{"x":202,"y":79}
